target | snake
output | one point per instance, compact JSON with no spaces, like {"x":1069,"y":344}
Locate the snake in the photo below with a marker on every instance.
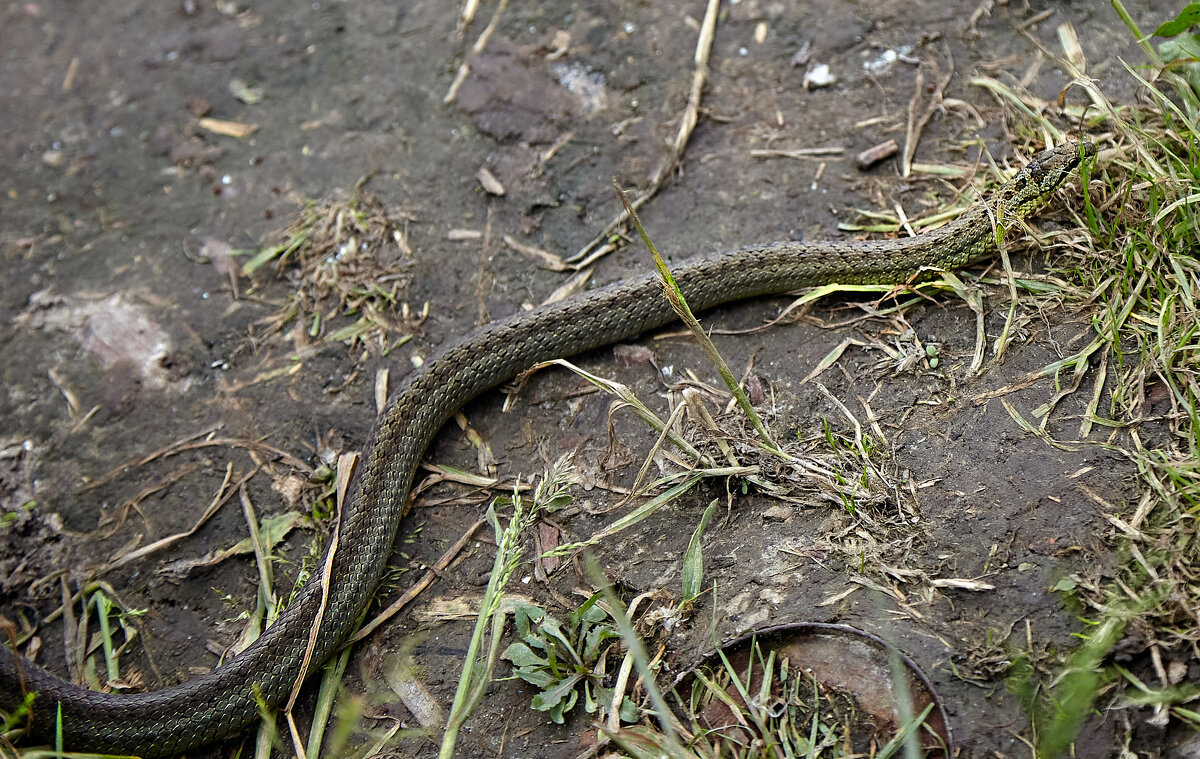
{"x":329,"y":607}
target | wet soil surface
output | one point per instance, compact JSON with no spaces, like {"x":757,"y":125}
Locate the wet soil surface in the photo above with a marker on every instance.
{"x":123,"y":335}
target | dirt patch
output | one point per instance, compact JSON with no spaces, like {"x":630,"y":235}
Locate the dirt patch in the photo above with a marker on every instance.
{"x":116,"y":187}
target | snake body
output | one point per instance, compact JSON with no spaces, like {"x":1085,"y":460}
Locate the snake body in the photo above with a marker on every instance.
{"x":225,"y":701}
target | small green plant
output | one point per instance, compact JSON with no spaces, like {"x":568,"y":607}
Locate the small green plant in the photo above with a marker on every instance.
{"x":563,"y":662}
{"x":9,"y":518}
{"x":771,"y":708}
{"x":693,"y":559}
{"x":1059,"y":711}
{"x":1140,"y":223}
{"x":551,"y":494}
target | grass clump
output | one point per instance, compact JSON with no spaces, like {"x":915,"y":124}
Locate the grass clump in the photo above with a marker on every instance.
{"x":1133,"y":262}
{"x":344,"y":262}
{"x":770,"y":707}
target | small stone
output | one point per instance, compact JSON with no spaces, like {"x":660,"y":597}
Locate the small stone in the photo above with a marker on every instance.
{"x":802,"y":56}
{"x":819,"y":76}
{"x":754,"y":389}
{"x":777,"y":513}
{"x":198,"y":106}
{"x":53,"y":158}
{"x":1176,"y":671}
{"x":488,"y":180}
{"x":246,"y":92}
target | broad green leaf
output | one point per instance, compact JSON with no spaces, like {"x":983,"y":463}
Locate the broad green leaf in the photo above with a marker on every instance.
{"x":557,"y":503}
{"x":596,"y":638}
{"x":1180,"y":48}
{"x":628,"y":712}
{"x":552,"y":631}
{"x":551,"y":697}
{"x":585,"y":611}
{"x":522,"y":655}
{"x":563,"y":707}
{"x":1188,"y":17}
{"x":693,"y":559}
{"x":540,"y":678}
{"x":595,"y":614}
{"x":592,"y":703}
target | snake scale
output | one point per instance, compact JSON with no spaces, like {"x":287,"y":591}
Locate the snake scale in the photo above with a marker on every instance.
{"x":223,"y":702}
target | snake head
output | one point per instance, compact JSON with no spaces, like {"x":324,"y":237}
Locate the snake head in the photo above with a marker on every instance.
{"x":1045,"y":173}
{"x":1047,"y":170}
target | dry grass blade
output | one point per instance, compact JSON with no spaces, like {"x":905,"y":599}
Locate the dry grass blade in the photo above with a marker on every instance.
{"x":344,"y":261}
{"x":191,"y":444}
{"x":551,"y":492}
{"x":916,"y":123}
{"x":439,"y":566}
{"x":689,"y":480}
{"x":468,"y":13}
{"x":224,"y":493}
{"x":1033,"y":429}
{"x":266,"y":608}
{"x":629,"y":399}
{"x":1134,"y":265}
{"x":347,"y":463}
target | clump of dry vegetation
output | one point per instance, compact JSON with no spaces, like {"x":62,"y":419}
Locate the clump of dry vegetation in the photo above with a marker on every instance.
{"x":345,"y":263}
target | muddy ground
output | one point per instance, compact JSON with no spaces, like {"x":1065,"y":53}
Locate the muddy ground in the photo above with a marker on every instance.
{"x":123,"y":335}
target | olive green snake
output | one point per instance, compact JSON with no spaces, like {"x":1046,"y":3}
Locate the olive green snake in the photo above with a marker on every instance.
{"x":226,"y":700}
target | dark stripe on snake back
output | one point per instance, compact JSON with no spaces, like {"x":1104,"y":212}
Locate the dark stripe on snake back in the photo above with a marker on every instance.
{"x":223,"y":702}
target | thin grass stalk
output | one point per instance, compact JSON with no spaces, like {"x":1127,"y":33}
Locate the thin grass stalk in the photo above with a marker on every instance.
{"x":679,"y":304}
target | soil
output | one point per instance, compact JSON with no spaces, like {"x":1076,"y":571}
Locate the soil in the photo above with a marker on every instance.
{"x":122,"y":333}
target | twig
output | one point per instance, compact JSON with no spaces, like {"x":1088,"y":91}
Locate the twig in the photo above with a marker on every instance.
{"x":467,"y":15}
{"x":135,"y":503}
{"x":686,"y":124}
{"x":223,"y":495}
{"x":424,"y":582}
{"x":631,"y":401}
{"x":163,"y":452}
{"x":810,"y":154}
{"x":71,"y":633}
{"x":465,"y":67}
{"x":347,"y":463}
{"x":262,"y":557}
{"x":186,"y":445}
{"x":916,"y":124}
